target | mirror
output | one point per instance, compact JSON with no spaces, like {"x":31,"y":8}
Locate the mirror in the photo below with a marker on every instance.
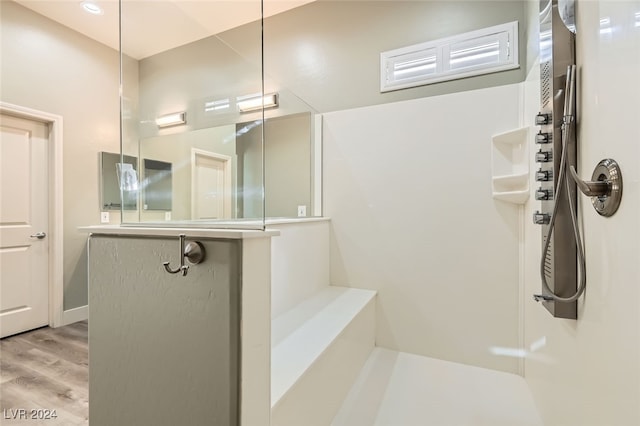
{"x":224,"y":164}
{"x":116,"y":176}
{"x":157,"y":186}
{"x":287,"y":163}
{"x":218,"y":170}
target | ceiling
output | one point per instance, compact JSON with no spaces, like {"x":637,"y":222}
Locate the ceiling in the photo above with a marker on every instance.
{"x":153,"y":26}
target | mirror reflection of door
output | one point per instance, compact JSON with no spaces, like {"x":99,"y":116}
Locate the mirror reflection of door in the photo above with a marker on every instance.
{"x":210,"y":185}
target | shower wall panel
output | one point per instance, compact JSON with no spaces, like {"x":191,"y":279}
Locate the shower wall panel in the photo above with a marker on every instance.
{"x":587,"y":372}
{"x":407,"y":186}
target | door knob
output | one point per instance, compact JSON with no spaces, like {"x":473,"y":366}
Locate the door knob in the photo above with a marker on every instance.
{"x":605,"y":186}
{"x":39,"y":235}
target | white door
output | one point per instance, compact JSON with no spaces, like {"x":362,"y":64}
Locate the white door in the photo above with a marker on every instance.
{"x":24,"y":253}
{"x":210,"y":186}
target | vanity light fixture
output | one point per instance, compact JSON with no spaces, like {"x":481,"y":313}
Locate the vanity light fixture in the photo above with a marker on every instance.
{"x":256,"y":103}
{"x":91,"y":7}
{"x":174,"y":119}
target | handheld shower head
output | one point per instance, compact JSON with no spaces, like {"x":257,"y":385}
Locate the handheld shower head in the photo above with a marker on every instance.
{"x":569,"y":95}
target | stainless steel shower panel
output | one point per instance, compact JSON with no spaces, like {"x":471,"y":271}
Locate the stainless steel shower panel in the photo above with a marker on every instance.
{"x":557,"y":52}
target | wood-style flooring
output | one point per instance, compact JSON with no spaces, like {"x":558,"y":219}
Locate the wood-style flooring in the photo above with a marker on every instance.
{"x":45,"y":370}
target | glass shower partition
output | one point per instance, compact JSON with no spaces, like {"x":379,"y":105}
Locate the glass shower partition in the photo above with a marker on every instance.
{"x":192,"y":91}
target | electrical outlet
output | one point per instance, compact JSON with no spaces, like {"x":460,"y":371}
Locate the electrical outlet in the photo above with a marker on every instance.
{"x":302,"y":211}
{"x":104,"y":217}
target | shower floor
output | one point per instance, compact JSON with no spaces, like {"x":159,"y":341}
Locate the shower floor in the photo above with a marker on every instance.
{"x":400,"y":389}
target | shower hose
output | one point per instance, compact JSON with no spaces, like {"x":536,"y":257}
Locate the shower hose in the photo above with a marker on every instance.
{"x":568,"y":123}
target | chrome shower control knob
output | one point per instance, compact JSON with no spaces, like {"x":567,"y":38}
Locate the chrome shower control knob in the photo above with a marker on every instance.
{"x":543,"y":156}
{"x":541,"y":218}
{"x":542,"y":119}
{"x":544,"y":175}
{"x":543,"y":194}
{"x":543,"y":137}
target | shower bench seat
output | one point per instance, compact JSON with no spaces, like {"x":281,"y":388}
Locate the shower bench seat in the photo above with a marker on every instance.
{"x":317,"y":349}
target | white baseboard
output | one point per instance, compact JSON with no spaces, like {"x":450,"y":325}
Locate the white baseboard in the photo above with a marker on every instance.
{"x":76,"y":314}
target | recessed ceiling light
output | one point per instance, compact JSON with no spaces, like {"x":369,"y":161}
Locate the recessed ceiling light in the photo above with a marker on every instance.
{"x":92,"y":8}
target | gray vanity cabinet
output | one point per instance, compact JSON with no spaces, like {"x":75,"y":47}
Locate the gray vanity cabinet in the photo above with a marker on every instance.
{"x":163,"y":348}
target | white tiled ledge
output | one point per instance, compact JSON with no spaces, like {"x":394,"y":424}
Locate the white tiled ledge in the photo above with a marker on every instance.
{"x":230,"y":230}
{"x":174,"y":232}
{"x":295,"y":220}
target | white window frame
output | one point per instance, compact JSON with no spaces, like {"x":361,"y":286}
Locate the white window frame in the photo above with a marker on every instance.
{"x":505,"y":35}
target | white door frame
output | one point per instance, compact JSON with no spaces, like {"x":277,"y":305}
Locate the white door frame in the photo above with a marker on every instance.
{"x":54,"y":124}
{"x":228,"y":200}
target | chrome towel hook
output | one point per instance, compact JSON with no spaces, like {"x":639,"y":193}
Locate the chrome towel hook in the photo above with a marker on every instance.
{"x":193,"y":252}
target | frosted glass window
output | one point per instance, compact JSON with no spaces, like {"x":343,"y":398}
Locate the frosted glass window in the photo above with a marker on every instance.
{"x":465,"y":55}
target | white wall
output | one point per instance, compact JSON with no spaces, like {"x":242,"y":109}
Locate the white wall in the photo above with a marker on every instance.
{"x":407,"y":186}
{"x":299,"y":262}
{"x":50,"y":68}
{"x":587,"y":372}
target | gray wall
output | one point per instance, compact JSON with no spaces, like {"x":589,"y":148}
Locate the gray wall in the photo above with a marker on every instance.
{"x":287,"y":158}
{"x":164,"y":348}
{"x":323,"y":56}
{"x":327,"y":52}
{"x":287,"y":162}
{"x":48,"y":67}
